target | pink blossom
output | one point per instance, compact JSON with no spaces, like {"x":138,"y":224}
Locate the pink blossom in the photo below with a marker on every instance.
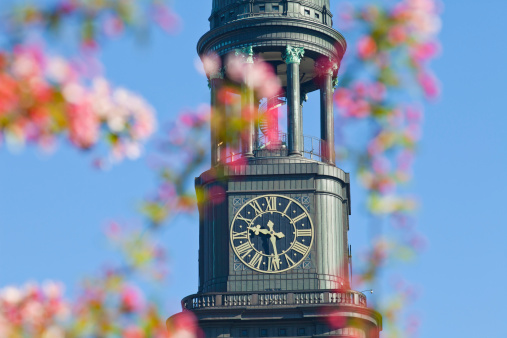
{"x":424,"y":51}
{"x":83,"y":125}
{"x":377,"y":91}
{"x":413,"y":114}
{"x":404,"y":160}
{"x":397,"y":34}
{"x":8,"y":94}
{"x":28,"y":61}
{"x":211,"y":63}
{"x":113,"y":26}
{"x":429,"y":84}
{"x":360,"y":109}
{"x":366,"y":47}
{"x":381,"y":165}
{"x":166,"y":18}
{"x":131,"y":299}
{"x":133,"y":332}
{"x":360,"y":89}
{"x":343,"y":98}
{"x":260,"y":76}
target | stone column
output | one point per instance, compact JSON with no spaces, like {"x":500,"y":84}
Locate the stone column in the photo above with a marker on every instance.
{"x":292,"y":58}
{"x":248,"y":111}
{"x":217,"y":120}
{"x":326,"y":110}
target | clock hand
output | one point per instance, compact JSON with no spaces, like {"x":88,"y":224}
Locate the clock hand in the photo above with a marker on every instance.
{"x":276,"y":259}
{"x":257,"y":229}
{"x":277,"y":234}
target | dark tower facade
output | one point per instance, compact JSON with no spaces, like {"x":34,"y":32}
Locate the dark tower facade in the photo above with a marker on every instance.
{"x":273,"y":250}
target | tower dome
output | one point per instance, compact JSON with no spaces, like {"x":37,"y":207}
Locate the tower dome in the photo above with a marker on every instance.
{"x":269,"y":27}
{"x":224,"y":11}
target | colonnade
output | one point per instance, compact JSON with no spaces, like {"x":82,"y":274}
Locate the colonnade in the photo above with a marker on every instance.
{"x":292,"y":57}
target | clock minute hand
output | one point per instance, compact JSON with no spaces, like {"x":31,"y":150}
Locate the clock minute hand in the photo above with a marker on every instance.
{"x":277,"y":234}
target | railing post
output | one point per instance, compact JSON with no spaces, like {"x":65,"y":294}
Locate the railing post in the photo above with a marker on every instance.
{"x":290,"y":298}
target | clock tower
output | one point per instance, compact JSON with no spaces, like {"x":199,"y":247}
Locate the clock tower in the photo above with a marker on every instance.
{"x":273,"y":251}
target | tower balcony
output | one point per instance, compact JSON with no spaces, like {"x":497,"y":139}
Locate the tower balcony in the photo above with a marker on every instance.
{"x":281,"y":299}
{"x":276,"y":146}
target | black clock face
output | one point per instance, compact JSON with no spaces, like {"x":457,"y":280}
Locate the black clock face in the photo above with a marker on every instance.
{"x":272,"y":233}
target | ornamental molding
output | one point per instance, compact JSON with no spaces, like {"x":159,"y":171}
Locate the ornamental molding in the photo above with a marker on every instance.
{"x":293,"y":54}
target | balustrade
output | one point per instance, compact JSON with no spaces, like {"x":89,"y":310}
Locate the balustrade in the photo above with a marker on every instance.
{"x":280,"y":299}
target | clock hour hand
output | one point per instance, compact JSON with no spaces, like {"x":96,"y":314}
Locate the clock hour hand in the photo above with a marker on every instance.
{"x":257,"y":229}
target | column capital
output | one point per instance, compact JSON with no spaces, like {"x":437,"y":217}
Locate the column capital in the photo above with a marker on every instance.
{"x":293,"y":54}
{"x":303,"y":97}
{"x":217,"y":74}
{"x":246,"y":53}
{"x":335,"y":82}
{"x":326,"y":66}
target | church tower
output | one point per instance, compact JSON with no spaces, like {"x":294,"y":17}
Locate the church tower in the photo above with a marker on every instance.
{"x":273,"y":250}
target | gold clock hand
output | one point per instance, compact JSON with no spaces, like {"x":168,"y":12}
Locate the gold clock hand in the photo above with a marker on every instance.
{"x":279,"y":234}
{"x":257,"y":229}
{"x":270,"y":225}
{"x":273,"y":241}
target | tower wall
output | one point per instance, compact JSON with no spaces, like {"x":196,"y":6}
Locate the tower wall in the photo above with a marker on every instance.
{"x":321,"y":188}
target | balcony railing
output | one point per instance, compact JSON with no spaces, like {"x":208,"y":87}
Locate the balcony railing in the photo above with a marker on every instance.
{"x":233,"y":299}
{"x":277,"y":146}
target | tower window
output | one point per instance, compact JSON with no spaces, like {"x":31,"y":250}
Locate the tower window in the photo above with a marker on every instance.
{"x":282,"y":332}
{"x":231,"y":14}
{"x":262,"y":8}
{"x":222,"y":18}
{"x":264,"y":333}
{"x":301,"y":331}
{"x":317,"y":15}
{"x":243,"y":333}
{"x":276,"y":8}
{"x":307,"y":12}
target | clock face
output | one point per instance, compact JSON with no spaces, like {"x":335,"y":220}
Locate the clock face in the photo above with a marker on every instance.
{"x":272,"y":233}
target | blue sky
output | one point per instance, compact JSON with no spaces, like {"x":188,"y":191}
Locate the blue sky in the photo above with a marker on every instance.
{"x":53,"y":208}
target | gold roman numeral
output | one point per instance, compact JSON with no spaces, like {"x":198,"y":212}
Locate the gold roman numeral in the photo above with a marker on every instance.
{"x":298,"y":218}
{"x":304,"y":232}
{"x":273,"y":264}
{"x":290,"y":262}
{"x":287,"y":208}
{"x":244,"y":249}
{"x":256,"y":259}
{"x":240,"y":235}
{"x":301,"y":248}
{"x":257,"y":208}
{"x":271,"y":202}
{"x":247,"y":220}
